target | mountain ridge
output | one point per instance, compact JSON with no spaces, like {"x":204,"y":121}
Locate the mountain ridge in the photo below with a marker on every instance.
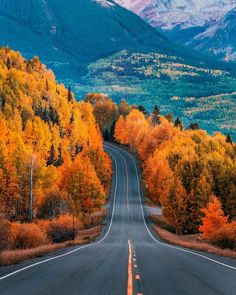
{"x":190,"y":23}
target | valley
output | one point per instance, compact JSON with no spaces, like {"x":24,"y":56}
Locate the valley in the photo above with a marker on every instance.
{"x":125,"y":57}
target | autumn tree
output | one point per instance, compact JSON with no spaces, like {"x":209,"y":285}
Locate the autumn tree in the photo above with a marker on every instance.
{"x":40,"y":119}
{"x":124,"y":108}
{"x":213,"y":219}
{"x":120,"y":130}
{"x":105,"y":111}
{"x":83,"y":185}
{"x":175,"y":206}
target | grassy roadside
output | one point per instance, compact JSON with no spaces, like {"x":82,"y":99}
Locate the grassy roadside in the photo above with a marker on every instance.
{"x":9,"y":257}
{"x":187,"y":241}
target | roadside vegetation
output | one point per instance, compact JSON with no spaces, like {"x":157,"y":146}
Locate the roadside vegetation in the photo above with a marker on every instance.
{"x":55,"y":176}
{"x":54,"y":173}
{"x":190,"y":174}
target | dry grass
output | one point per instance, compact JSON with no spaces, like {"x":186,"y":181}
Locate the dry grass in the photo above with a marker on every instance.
{"x":192,"y":242}
{"x":161,"y":222}
{"x":15,"y":256}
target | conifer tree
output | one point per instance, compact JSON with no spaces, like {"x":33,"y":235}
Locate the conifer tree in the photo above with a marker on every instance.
{"x":156,"y":116}
{"x":142,"y":109}
{"x":193,"y":126}
{"x":229,"y":139}
{"x":178,"y":123}
{"x":70,"y":96}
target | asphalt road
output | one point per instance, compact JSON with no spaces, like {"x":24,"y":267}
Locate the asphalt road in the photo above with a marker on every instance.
{"x":106,"y":266}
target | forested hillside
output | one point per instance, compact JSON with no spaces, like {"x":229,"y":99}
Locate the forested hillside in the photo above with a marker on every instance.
{"x":52,"y":161}
{"x":188,"y":172}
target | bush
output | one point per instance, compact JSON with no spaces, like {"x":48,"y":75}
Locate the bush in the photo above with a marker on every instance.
{"x":225,"y":237}
{"x":54,"y":204}
{"x":5,"y":234}
{"x":61,"y":229}
{"x":27,"y":236}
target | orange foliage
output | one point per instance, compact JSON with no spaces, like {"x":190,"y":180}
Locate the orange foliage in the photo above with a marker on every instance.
{"x":214,"y":218}
{"x":105,"y":110}
{"x":200,"y":164}
{"x":27,"y":236}
{"x":225,"y":236}
{"x":63,"y":229}
{"x":83,"y":185}
{"x":43,"y":129}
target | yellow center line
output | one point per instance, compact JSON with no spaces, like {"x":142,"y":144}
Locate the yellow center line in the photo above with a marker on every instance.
{"x":130,"y":272}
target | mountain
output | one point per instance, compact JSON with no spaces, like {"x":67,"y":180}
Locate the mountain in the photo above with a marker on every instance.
{"x":220,"y":38}
{"x":67,"y":33}
{"x":196,"y":23}
{"x":99,"y":46}
{"x":167,"y":14}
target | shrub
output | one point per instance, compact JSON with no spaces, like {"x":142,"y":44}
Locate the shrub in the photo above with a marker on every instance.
{"x":54,"y":204}
{"x":225,"y":237}
{"x":61,"y":229}
{"x":5,"y":234}
{"x":27,"y":235}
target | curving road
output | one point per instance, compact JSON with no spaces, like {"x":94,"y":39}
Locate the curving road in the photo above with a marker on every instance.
{"x":127,"y":259}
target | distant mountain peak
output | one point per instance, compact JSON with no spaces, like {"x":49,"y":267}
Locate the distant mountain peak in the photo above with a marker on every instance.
{"x":104,"y":3}
{"x":167,"y":14}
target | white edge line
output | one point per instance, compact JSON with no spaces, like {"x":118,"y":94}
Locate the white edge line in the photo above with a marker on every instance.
{"x":151,"y":235}
{"x":77,"y":249}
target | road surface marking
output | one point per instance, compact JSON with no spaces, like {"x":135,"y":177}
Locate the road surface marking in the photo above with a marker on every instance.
{"x":78,"y":248}
{"x":144,"y":221}
{"x":127,"y":185}
{"x":130,"y":272}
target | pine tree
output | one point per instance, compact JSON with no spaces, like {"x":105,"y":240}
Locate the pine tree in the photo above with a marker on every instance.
{"x":170,"y":118}
{"x":229,"y":139}
{"x":70,"y":96}
{"x":8,"y":63}
{"x":156,"y":116}
{"x":142,"y":109}
{"x":178,"y":123}
{"x":193,"y":126}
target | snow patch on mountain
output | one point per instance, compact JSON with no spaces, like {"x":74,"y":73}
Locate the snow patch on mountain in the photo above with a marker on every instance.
{"x":168,"y":14}
{"x":104,"y":3}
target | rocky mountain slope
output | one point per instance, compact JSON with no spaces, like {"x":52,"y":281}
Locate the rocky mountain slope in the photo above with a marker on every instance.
{"x":219,"y":39}
{"x":197,"y":23}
